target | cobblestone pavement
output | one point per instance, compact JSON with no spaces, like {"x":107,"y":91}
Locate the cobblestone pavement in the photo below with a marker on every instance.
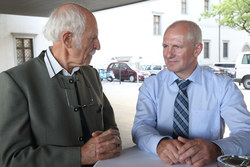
{"x":123,"y":98}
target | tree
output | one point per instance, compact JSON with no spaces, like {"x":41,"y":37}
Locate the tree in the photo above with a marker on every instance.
{"x":233,"y":13}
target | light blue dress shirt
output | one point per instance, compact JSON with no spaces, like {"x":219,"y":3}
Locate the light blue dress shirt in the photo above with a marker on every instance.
{"x":213,"y":101}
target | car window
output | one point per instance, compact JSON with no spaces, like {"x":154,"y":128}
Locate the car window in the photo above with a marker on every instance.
{"x":110,"y":66}
{"x":246,"y":59}
{"x":143,"y":67}
{"x":157,"y":68}
{"x":114,"y":65}
{"x":132,"y":66}
{"x":218,"y":65}
{"x":123,"y":66}
{"x":148,"y":67}
{"x":230,"y":65}
{"x":227,"y":65}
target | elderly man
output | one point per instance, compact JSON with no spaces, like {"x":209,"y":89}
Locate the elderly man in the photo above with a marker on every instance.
{"x":53,"y":109}
{"x":182,"y":111}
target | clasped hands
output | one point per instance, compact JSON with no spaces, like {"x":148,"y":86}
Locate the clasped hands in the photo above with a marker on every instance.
{"x":196,"y":152}
{"x":102,"y":145}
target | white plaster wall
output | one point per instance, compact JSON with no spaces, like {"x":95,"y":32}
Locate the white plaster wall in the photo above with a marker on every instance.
{"x":128,"y":31}
{"x":19,"y":24}
{"x":236,"y":41}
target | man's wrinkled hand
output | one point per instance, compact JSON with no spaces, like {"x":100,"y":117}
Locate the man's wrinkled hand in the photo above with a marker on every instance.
{"x":102,"y":145}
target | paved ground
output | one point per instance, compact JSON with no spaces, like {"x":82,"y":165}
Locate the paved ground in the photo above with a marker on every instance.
{"x":123,"y":98}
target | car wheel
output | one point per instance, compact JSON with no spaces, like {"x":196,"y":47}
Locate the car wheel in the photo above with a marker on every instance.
{"x":131,"y":78}
{"x":110,"y":79}
{"x":246,"y":82}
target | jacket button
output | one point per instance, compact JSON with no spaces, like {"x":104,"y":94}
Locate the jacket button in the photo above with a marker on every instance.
{"x":71,"y":81}
{"x":80,"y":138}
{"x":76,"y":109}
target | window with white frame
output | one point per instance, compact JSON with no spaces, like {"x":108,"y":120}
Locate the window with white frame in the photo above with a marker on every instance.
{"x":184,"y":6}
{"x":157,"y":24}
{"x":206,"y":50}
{"x":206,"y":5}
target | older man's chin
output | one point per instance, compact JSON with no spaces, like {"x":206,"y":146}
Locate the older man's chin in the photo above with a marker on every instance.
{"x":87,"y":60}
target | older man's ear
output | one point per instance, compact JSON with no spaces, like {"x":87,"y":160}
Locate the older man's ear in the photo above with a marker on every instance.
{"x":67,"y":39}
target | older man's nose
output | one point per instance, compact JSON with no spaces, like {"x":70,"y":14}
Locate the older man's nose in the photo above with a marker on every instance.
{"x":97,"y":44}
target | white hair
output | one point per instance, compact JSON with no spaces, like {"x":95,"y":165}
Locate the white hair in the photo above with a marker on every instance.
{"x":66,"y":19}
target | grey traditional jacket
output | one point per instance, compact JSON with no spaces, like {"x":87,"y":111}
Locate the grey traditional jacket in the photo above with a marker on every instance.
{"x":39,"y":125}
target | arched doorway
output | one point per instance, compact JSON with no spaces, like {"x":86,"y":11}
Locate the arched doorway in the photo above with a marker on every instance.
{"x":246,"y":48}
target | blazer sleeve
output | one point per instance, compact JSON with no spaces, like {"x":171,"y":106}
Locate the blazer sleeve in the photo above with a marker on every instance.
{"x":18,"y":147}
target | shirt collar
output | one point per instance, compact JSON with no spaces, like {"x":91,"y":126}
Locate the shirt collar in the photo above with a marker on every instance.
{"x":194,"y":77}
{"x":54,"y":67}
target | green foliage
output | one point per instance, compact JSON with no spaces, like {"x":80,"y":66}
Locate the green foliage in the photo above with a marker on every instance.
{"x":232,"y":13}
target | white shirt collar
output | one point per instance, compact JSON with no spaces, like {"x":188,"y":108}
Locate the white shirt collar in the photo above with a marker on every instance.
{"x":54,"y":67}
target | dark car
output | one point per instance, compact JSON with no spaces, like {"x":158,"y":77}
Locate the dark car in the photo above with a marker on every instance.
{"x":127,"y":71}
{"x":227,"y":68}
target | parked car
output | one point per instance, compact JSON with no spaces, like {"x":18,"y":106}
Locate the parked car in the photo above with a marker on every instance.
{"x":154,"y":68}
{"x":127,"y":71}
{"x":242,"y":69}
{"x":217,"y":70}
{"x":225,"y":68}
{"x":206,"y":67}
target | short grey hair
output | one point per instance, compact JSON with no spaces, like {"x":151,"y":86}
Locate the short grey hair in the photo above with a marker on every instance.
{"x":194,"y":31}
{"x":70,"y":19}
